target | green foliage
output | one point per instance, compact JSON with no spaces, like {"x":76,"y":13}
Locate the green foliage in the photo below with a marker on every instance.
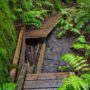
{"x":64,"y":68}
{"x":78,"y":46}
{"x":57,"y":4}
{"x":8,"y":86}
{"x":77,"y":63}
{"x":80,"y":43}
{"x":8,"y":39}
{"x":27,"y":5}
{"x":66,"y":26}
{"x":33,"y":14}
{"x":34,"y":18}
{"x":86,"y":78}
{"x":45,"y":4}
{"x":81,"y":39}
{"x":79,"y":18}
{"x":74,"y":83}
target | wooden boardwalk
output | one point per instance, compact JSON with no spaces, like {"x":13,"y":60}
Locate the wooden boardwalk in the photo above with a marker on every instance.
{"x":46,"y":28}
{"x":44,"y":81}
{"x":39,"y":80}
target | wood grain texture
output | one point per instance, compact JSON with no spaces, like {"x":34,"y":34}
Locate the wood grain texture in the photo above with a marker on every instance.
{"x":21,"y":77}
{"x":46,"y":28}
{"x":45,"y":81}
{"x":47,"y":76}
{"x":42,"y":84}
{"x":41,"y":58}
{"x":17,"y":53}
{"x":22,"y":56}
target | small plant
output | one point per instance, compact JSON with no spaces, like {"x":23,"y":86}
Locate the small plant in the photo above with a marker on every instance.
{"x":65,"y":26}
{"x":34,"y":18}
{"x":46,"y":4}
{"x":64,"y":68}
{"x":77,"y":63}
{"x":80,"y":43}
{"x":75,"y":82}
{"x":81,"y":39}
{"x":8,"y":86}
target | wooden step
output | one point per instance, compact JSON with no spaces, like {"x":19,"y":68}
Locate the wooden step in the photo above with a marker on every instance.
{"x":46,"y":28}
{"x":44,"y":81}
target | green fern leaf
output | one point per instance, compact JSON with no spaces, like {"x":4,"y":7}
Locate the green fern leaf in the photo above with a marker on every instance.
{"x":76,"y":62}
{"x":73,"y":83}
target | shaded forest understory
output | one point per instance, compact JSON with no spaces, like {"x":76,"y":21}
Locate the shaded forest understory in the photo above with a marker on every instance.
{"x":66,"y":46}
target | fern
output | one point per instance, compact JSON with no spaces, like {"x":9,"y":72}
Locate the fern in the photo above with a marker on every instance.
{"x":80,"y":43}
{"x":47,"y":3}
{"x":27,"y":5}
{"x":81,"y":39}
{"x":73,"y":83}
{"x":75,"y":31}
{"x":78,"y":46}
{"x":86,"y":78}
{"x":61,"y":34}
{"x":64,"y":68}
{"x":34,"y":18}
{"x":77,"y":63}
{"x":57,"y":5}
{"x":67,"y":26}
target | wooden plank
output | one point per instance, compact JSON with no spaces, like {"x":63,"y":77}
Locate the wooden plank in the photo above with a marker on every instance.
{"x":45,"y":30}
{"x":45,"y":80}
{"x":22,"y":55}
{"x":21,"y":77}
{"x":17,"y":53}
{"x":48,"y":76}
{"x":41,"y":58}
{"x":36,"y":34}
{"x":42,"y":84}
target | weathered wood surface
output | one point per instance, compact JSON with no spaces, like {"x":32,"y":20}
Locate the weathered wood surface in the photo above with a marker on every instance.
{"x":41,"y":58}
{"x":44,"y":81}
{"x":17,"y":53}
{"x":46,"y":28}
{"x":47,"y":76}
{"x":22,"y":55}
{"x":21,"y":77}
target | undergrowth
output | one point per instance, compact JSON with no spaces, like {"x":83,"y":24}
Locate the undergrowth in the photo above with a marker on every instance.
{"x":76,"y":20}
{"x":8,"y":37}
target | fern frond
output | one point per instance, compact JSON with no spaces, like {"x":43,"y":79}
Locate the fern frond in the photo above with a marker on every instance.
{"x":80,"y":43}
{"x":86,"y":78}
{"x":76,"y":62}
{"x":81,"y":39}
{"x":73,"y":83}
{"x":78,"y":46}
